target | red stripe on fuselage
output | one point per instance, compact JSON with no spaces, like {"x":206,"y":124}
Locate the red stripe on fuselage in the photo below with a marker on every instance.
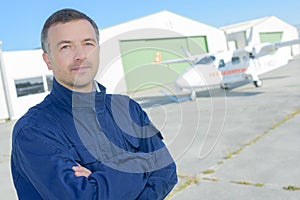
{"x":229,"y":72}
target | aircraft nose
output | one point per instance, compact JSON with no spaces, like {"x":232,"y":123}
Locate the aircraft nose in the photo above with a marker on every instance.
{"x":182,"y":83}
{"x":198,"y":77}
{"x":190,"y":79}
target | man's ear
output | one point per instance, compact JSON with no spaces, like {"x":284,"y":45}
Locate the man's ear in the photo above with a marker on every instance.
{"x":47,"y":60}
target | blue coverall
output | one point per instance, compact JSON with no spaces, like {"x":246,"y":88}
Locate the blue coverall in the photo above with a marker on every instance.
{"x":108,"y":134}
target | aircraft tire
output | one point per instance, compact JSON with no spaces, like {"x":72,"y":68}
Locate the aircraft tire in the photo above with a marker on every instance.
{"x":224,"y":86}
{"x":257,"y":83}
{"x":193,"y":96}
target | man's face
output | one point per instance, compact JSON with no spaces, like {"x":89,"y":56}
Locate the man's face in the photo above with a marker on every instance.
{"x":73,"y":54}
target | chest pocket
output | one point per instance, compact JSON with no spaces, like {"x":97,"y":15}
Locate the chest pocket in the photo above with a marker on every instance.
{"x":132,"y":144}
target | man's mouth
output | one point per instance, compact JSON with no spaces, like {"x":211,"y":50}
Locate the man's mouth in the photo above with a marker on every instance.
{"x":81,"y":69}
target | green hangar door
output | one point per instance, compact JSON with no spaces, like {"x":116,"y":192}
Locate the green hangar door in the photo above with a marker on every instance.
{"x":270,"y":37}
{"x":139,"y":57}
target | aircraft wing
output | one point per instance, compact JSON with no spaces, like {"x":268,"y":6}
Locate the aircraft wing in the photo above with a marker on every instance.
{"x":269,"y":48}
{"x":181,"y":60}
{"x":190,"y":59}
{"x":264,"y":49}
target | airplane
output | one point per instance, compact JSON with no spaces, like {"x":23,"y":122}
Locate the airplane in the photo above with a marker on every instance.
{"x":228,"y":67}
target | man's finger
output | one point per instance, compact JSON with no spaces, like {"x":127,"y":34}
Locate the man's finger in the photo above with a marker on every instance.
{"x":81,"y":171}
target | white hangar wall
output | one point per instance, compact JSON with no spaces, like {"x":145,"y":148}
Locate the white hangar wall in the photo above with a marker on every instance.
{"x":123,"y":40}
{"x":266,"y":29}
{"x":28,"y":80}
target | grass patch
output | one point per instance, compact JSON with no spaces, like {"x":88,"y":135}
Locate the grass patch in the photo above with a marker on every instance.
{"x":259,"y":184}
{"x":208,"y":171}
{"x":229,"y":155}
{"x":189,"y":181}
{"x":241,"y":182}
{"x":248,"y":183}
{"x":291,"y":188}
{"x":210,"y":179}
{"x":221,"y":162}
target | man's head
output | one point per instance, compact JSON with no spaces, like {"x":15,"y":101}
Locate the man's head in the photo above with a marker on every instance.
{"x":64,"y":16}
{"x":70,"y":41}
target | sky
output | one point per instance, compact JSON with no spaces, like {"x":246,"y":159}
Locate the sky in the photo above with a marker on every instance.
{"x":21,"y":21}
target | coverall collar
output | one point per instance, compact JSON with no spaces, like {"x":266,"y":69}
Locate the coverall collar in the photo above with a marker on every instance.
{"x":72,"y":99}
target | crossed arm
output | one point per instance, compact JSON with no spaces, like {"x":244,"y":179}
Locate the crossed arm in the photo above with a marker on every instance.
{"x":56,"y":179}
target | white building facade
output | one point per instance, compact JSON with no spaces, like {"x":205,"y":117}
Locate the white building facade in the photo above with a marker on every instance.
{"x":26,"y":81}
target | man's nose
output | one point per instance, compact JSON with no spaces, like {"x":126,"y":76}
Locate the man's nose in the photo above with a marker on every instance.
{"x":79,"y":53}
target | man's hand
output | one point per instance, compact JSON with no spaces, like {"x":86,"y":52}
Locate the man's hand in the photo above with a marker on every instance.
{"x":81,"y":171}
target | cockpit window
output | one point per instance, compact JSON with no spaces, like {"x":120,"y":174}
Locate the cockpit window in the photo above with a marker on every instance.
{"x":235,"y":60}
{"x":221,"y":63}
{"x":206,"y":60}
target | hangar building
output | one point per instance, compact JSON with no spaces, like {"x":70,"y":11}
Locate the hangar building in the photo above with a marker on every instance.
{"x":267,"y":29}
{"x":129,"y":49}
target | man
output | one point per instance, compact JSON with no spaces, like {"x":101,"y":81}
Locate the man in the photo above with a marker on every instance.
{"x":81,"y":143}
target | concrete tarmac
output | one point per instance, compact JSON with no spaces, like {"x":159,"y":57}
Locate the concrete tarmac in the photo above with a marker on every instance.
{"x":257,"y":153}
{"x":242,"y":143}
{"x":7,"y":191}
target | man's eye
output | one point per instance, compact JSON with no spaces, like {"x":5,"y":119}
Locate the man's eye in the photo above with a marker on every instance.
{"x":65,"y":47}
{"x":89,"y":44}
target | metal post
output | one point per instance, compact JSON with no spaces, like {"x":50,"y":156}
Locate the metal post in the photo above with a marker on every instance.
{"x":5,"y":86}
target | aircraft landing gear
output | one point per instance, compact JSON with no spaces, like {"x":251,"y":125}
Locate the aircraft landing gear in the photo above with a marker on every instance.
{"x":193,"y":95}
{"x":257,"y":83}
{"x":224,"y":86}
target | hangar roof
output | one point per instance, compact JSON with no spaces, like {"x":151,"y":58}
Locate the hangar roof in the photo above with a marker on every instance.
{"x":164,"y":20}
{"x":244,"y":25}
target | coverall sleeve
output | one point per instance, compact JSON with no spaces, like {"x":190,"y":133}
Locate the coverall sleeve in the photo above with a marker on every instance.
{"x":161,"y":181}
{"x":48,"y":167}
